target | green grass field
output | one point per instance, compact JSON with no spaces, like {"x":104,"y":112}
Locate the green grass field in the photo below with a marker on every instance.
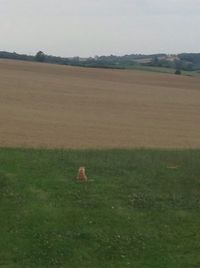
{"x":164,"y":70}
{"x":139,"y":208}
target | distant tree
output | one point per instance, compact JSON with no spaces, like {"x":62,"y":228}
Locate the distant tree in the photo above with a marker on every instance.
{"x":178,"y":66}
{"x":155,"y":61}
{"x":178,"y":71}
{"x":40,"y":56}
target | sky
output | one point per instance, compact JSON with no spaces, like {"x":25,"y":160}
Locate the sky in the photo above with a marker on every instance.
{"x":100,"y":27}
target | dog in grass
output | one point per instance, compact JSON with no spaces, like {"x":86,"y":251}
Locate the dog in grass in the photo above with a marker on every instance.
{"x":81,"y":176}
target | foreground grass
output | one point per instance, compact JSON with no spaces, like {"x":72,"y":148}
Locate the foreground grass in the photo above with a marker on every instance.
{"x":140,"y":208}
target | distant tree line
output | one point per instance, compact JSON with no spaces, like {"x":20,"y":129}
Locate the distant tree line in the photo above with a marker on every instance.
{"x":15,"y":56}
{"x":184,"y":61}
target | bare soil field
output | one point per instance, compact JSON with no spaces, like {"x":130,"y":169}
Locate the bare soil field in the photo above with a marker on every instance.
{"x":55,"y":106}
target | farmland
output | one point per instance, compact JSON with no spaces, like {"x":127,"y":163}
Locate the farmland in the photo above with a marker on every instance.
{"x":137,"y":133}
{"x":51,"y":106}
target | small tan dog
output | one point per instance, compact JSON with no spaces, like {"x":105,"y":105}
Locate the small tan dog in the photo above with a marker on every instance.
{"x":81,"y":176}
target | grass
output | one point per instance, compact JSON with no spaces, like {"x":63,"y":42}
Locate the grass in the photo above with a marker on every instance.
{"x":167,"y":70}
{"x":140,"y":208}
{"x":140,"y":67}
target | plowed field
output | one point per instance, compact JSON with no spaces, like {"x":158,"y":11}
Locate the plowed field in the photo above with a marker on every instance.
{"x":53,"y":106}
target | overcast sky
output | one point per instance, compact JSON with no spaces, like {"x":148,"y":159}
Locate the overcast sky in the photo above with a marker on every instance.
{"x":99,"y":27}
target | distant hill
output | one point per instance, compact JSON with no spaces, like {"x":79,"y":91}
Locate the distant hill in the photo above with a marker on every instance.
{"x":184,"y":61}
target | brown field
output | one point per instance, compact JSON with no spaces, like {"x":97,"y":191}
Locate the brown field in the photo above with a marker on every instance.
{"x":54,"y":106}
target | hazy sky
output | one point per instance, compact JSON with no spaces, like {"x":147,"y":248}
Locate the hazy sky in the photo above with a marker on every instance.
{"x":96,"y":27}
